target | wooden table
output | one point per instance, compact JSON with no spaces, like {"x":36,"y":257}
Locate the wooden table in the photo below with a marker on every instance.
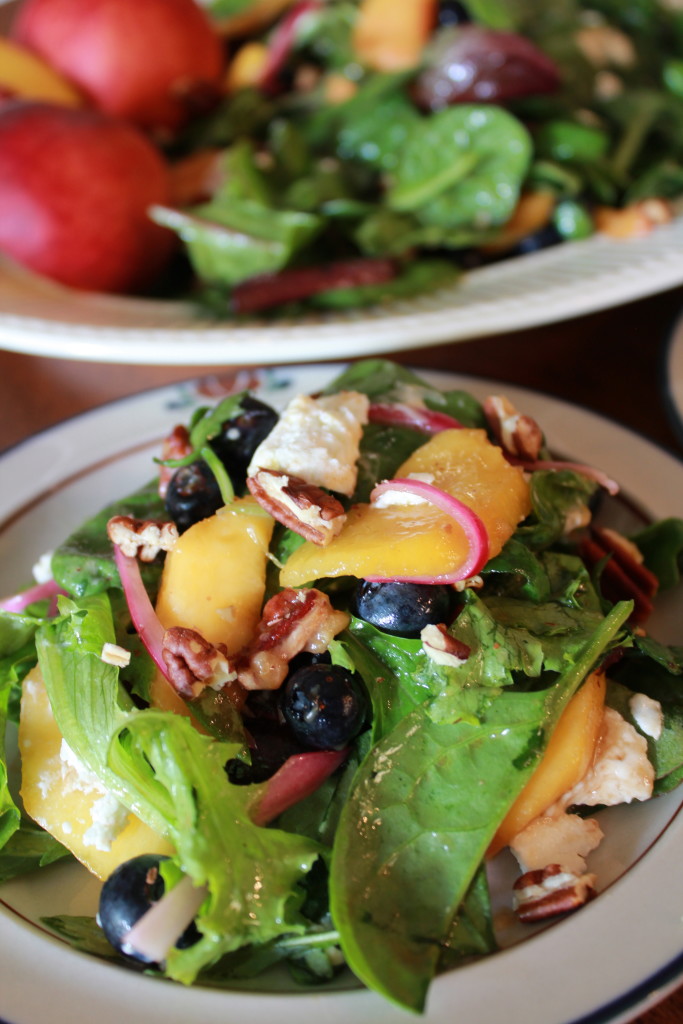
{"x":610,"y":362}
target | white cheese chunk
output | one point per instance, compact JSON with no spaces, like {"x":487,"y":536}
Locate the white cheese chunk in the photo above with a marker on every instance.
{"x":564,"y":839}
{"x":621,"y":771}
{"x":109,"y":817}
{"x":42,"y":570}
{"x":318,"y":440}
{"x":647,"y":714}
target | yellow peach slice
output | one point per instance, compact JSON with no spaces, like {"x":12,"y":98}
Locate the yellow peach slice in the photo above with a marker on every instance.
{"x":214,"y":582}
{"x":246,"y":66}
{"x":391,"y":37}
{"x":567,"y":758}
{"x":59,"y":802}
{"x":414,"y":541}
{"x":26,"y":75}
{"x":214,"y":578}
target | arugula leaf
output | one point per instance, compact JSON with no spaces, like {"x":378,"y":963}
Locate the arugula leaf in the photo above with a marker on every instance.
{"x":419,"y":820}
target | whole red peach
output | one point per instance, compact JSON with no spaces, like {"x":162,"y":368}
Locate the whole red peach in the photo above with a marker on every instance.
{"x":149,"y":61}
{"x":75,"y":187}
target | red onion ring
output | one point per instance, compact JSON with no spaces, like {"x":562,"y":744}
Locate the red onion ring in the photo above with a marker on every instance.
{"x":17,"y":603}
{"x":298,"y":777}
{"x":400,"y":414}
{"x":145,"y":619}
{"x":283,"y":42}
{"x":475,"y":531}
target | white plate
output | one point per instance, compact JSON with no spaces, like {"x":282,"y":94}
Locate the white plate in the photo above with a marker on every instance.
{"x":41,"y":318}
{"x":616,"y":957}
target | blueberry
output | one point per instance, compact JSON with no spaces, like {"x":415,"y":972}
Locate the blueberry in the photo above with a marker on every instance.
{"x":541,"y":239}
{"x":241,"y":435}
{"x":402,"y":609}
{"x":324,"y":706}
{"x":129,"y":892}
{"x":452,"y":12}
{"x":271,"y":744}
{"x":193,"y":494}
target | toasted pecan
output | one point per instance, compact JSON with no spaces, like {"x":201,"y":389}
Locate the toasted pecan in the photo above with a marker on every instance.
{"x":305,"y":508}
{"x":141,"y":538}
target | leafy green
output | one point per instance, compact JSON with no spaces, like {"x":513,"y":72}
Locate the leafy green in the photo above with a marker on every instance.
{"x":554,"y":495}
{"x":462,"y":171}
{"x":251,"y":872}
{"x":420,"y":818}
{"x":384,"y":380}
{"x":230,"y":239}
{"x":84,"y":564}
{"x":27,"y":849}
{"x":661,"y":545}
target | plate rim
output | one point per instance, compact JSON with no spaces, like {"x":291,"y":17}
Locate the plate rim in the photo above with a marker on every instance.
{"x":609,"y":271}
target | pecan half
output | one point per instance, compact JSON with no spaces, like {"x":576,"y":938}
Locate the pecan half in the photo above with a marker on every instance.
{"x":193,"y":663}
{"x":550,"y":891}
{"x":142,"y":538}
{"x":442,"y":648}
{"x":623,"y":577}
{"x":175,"y":446}
{"x":292,"y":621}
{"x":516,"y":434}
{"x":303,"y":507}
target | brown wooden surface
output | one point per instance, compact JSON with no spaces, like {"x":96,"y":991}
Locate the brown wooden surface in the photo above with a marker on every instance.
{"x":610,"y":362}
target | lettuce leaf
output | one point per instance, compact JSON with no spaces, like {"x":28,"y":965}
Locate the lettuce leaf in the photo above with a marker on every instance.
{"x":251,"y":872}
{"x":157,"y":764}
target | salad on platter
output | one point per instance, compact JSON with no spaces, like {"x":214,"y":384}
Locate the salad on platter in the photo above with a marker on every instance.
{"x":293,"y":700}
{"x":346,"y":153}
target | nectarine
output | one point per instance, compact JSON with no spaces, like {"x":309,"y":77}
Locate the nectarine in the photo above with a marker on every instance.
{"x":153,"y":63}
{"x":75,"y":186}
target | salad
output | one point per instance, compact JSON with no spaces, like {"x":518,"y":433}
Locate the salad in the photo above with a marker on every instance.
{"x":290,"y":711}
{"x":337,"y":154}
{"x":353,"y":164}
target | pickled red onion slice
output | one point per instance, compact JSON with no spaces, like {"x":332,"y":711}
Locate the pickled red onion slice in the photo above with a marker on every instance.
{"x":611,"y":486}
{"x":161,"y":926}
{"x":19,"y":602}
{"x":399,"y":414}
{"x":298,"y":777}
{"x":282,"y":43}
{"x":145,"y":619}
{"x":474,"y":529}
